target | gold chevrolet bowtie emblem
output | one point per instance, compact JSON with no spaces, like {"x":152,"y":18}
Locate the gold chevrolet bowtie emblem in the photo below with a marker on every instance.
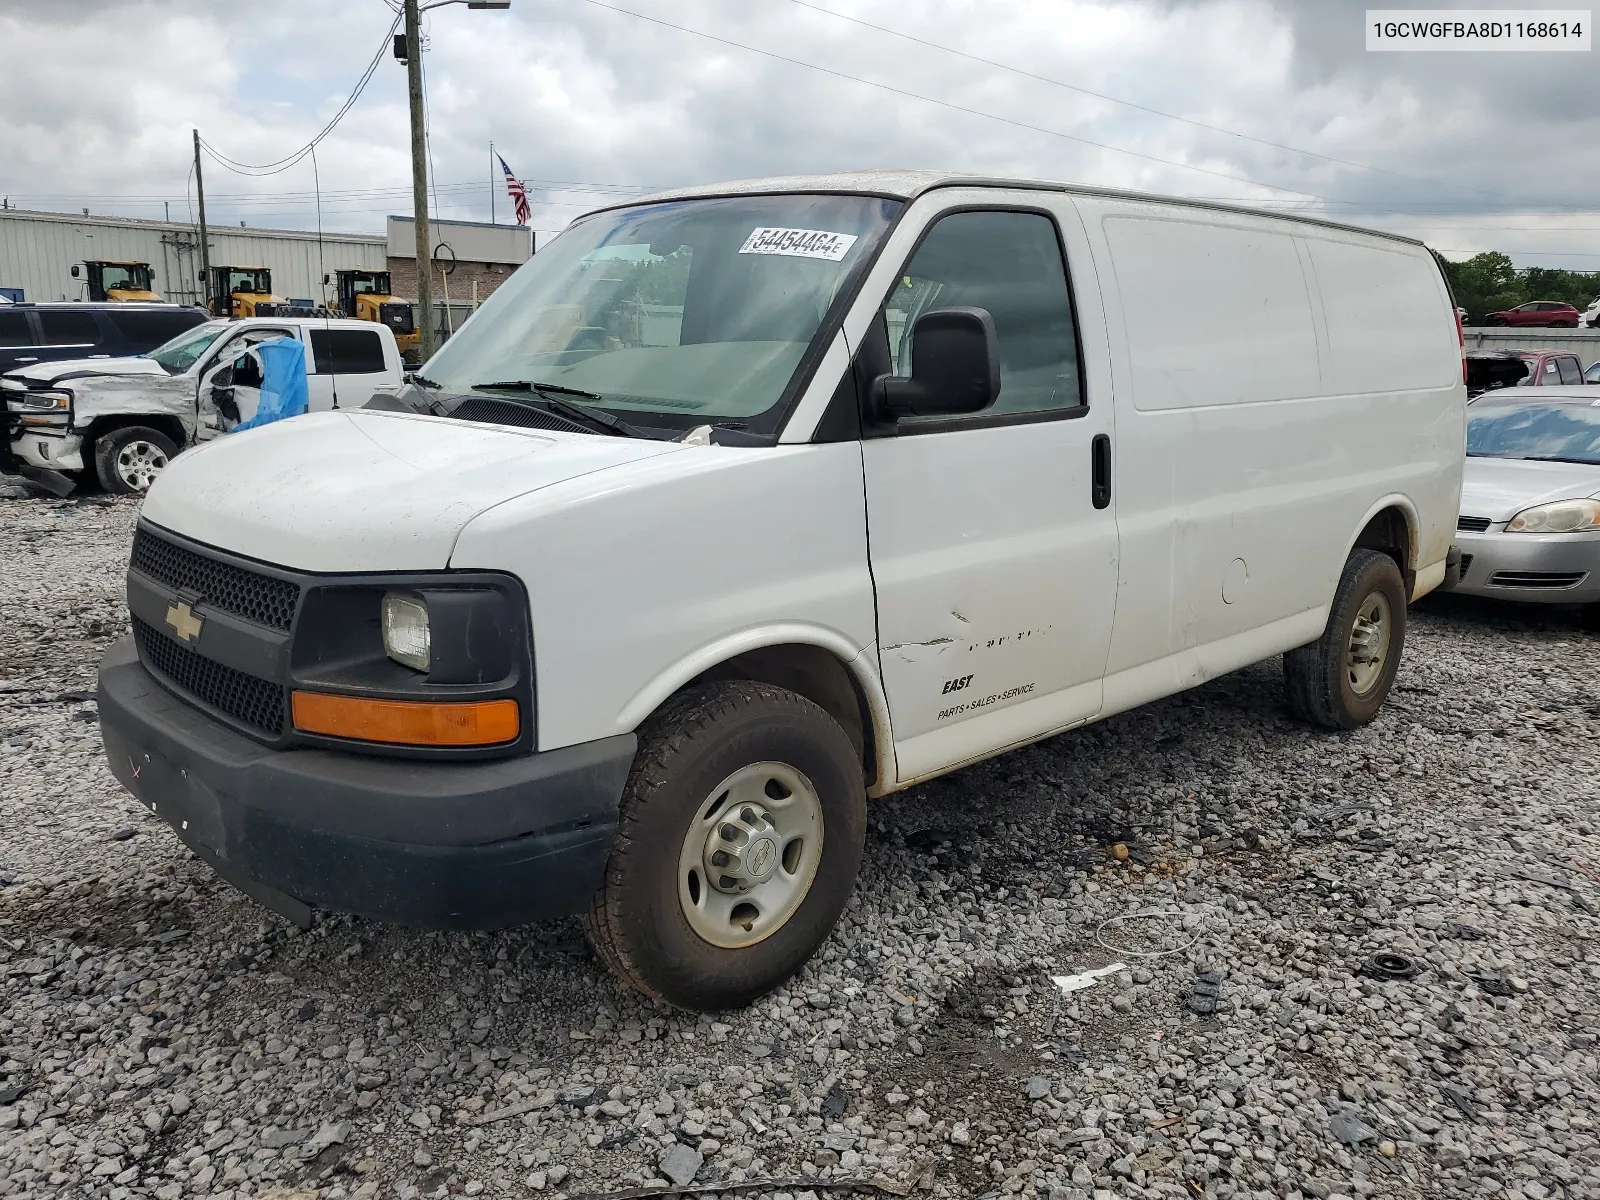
{"x":183,"y":622}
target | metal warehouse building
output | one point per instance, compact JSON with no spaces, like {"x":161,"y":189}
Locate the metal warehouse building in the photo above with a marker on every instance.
{"x":38,"y":250}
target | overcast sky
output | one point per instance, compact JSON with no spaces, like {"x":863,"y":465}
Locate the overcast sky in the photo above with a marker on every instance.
{"x":1468,"y":151}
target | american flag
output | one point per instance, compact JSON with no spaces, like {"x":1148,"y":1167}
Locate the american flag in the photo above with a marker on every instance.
{"x":519,"y":195}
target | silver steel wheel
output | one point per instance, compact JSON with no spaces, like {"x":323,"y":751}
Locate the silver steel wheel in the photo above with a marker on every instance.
{"x":139,"y":462}
{"x":1368,"y":650}
{"x":750,"y":855}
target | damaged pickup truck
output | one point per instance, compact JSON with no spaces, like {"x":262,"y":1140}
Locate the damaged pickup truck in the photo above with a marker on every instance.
{"x":119,"y":421}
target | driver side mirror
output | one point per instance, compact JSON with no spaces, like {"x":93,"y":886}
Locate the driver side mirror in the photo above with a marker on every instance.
{"x":955,"y":366}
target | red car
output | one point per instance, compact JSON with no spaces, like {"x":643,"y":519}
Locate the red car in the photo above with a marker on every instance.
{"x":1536,"y":312}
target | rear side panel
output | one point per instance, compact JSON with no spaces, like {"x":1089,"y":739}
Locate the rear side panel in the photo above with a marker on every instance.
{"x":1264,"y":414}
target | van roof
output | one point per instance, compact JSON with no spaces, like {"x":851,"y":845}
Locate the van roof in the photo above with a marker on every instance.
{"x":908,"y":185}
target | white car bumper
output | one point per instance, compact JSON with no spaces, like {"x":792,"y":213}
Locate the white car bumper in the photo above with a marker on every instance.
{"x":51,"y":451}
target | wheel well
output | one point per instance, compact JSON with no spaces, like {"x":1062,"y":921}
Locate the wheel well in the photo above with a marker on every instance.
{"x":819,"y":676}
{"x":1389,"y":532}
{"x":164,"y":423}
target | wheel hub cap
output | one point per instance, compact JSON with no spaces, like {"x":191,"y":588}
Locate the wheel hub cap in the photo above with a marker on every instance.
{"x":1368,"y":650}
{"x":742,"y":850}
{"x":139,"y":463}
{"x":750,"y":855}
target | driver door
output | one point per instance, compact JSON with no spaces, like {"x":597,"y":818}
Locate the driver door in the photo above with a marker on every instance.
{"x":223,"y":401}
{"x":993,"y":551}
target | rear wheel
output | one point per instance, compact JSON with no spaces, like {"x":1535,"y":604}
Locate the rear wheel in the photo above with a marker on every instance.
{"x":1341,"y":680}
{"x":741,"y":833}
{"x":129,"y":459}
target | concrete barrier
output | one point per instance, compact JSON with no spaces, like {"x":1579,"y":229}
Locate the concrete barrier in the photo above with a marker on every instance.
{"x":1585,"y":343}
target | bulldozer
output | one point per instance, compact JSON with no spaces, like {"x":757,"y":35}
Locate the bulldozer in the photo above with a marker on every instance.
{"x":112,"y":279}
{"x":365,"y":295}
{"x":236,"y":291}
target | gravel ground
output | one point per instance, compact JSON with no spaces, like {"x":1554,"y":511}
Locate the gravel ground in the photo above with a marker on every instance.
{"x":163,"y":1036}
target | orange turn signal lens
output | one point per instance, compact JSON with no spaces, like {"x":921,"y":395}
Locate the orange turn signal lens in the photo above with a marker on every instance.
{"x":407,"y":722}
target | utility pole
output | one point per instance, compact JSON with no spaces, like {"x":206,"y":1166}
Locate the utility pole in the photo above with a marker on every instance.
{"x":419,"y":178}
{"x":205,"y":249}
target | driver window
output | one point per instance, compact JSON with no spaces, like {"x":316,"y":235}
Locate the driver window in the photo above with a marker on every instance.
{"x":1010,"y":264}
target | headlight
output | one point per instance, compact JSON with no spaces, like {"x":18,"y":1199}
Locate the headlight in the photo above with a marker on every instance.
{"x":405,"y":629}
{"x":1563,"y":516}
{"x":49,"y":401}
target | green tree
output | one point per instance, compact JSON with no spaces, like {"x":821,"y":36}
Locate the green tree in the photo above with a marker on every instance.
{"x":1489,"y":282}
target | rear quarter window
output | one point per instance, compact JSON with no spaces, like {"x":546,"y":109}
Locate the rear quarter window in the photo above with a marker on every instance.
{"x":69,"y":328}
{"x":14,"y":330}
{"x":1215,"y":314}
{"x":346,"y":352}
{"x":146,"y":330}
{"x":1389,"y":326}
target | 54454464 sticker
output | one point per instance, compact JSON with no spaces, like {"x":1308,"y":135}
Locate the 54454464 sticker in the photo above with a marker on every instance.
{"x":798,"y":243}
{"x":991,"y":698}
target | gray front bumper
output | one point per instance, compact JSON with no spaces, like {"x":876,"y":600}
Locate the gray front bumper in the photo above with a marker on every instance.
{"x":1493,"y":561}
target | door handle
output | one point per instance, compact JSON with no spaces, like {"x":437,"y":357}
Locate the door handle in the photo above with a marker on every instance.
{"x":1100,"y":470}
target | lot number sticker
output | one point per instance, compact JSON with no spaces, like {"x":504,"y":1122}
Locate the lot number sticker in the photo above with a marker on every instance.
{"x":799,"y":243}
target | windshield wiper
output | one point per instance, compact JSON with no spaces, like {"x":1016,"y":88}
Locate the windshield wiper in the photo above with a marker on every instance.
{"x":424,"y":381}
{"x":552,"y":395}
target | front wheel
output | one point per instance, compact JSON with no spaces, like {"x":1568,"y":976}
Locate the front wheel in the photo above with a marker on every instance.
{"x":741,"y":833}
{"x":129,"y":459}
{"x":1341,"y":680}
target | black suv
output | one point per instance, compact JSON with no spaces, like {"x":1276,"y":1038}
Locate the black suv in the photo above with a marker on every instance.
{"x":32,"y":333}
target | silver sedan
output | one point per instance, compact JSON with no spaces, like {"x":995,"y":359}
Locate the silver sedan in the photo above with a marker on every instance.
{"x":1530,"y":499}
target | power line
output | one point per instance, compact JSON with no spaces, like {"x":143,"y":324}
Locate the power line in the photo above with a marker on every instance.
{"x":283,"y":164}
{"x":989,"y":62}
{"x":1071,"y":137}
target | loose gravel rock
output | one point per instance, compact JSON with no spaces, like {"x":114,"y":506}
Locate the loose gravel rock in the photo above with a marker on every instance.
{"x":162,"y":1036}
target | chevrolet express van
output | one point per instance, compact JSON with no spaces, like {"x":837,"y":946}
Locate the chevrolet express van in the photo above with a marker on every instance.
{"x":740,"y":504}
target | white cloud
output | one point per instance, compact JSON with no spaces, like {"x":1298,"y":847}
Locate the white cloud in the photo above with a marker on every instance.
{"x":101,"y":97}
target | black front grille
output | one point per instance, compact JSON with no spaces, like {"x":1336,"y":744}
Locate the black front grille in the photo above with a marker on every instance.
{"x":1473,"y":524}
{"x":255,"y":597}
{"x":255,"y":702}
{"x":503,"y":412}
{"x":1553,"y":580}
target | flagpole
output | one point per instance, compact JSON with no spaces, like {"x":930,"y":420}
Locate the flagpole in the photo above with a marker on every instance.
{"x":491,"y":183}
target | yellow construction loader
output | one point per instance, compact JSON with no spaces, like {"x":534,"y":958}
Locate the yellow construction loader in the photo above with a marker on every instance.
{"x":111,"y":279}
{"x":365,"y":295}
{"x":236,"y":291}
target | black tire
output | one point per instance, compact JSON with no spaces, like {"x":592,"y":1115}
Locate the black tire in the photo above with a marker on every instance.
{"x":1589,"y":617}
{"x":122,"y":477}
{"x":1318,"y":678}
{"x":698,"y":739}
{"x":1496,"y":321}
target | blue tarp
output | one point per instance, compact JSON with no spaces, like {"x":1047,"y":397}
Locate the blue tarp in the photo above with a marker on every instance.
{"x":283,"y":382}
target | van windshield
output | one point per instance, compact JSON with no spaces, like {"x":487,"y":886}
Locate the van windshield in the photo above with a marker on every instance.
{"x":697,"y":312}
{"x":178,"y":355}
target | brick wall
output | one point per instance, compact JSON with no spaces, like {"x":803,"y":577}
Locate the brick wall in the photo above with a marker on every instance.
{"x":403,"y":277}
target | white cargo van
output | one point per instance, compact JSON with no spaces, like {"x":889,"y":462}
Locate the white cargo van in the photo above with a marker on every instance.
{"x":738,"y":505}
{"x":125,"y":418}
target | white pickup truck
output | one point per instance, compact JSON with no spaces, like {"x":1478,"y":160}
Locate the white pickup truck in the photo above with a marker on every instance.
{"x":123,"y":419}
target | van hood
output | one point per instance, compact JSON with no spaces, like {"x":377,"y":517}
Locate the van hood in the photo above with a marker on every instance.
{"x":67,"y":369}
{"x":1500,"y":488}
{"x":366,"y":490}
